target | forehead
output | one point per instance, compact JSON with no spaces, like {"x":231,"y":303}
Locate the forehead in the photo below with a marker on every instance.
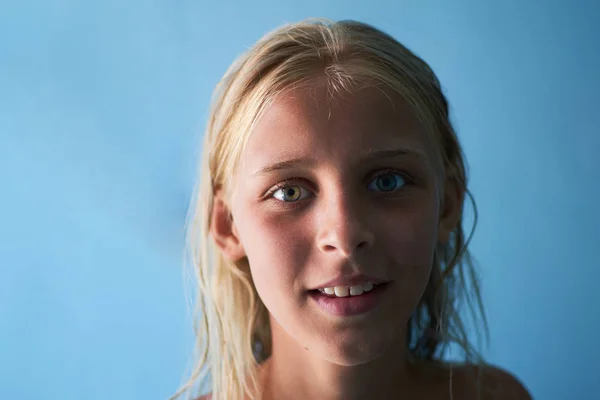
{"x":309,"y":123}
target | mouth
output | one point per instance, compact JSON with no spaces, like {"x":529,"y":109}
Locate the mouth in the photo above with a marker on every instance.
{"x":348,"y":304}
{"x":348,"y":291}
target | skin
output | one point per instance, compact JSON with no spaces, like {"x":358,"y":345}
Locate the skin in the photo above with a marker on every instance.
{"x":344,"y":213}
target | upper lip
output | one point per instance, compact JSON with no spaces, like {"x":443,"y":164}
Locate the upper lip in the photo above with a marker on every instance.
{"x":351,"y":281}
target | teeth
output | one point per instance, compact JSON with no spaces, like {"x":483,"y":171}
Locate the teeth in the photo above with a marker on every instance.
{"x":356,"y":290}
{"x":344,"y":291}
{"x":341,"y":291}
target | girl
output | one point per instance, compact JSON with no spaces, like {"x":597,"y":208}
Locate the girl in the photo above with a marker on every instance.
{"x":326,"y":236}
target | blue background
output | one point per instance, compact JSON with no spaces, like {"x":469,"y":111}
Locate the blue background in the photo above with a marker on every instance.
{"x":102,"y":106}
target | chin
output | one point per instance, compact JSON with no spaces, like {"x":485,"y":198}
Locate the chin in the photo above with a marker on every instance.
{"x":353,"y":352}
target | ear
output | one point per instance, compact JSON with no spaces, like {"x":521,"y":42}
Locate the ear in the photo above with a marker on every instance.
{"x":451,"y":210}
{"x":224,"y":231}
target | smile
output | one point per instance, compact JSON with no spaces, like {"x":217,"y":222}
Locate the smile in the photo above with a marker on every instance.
{"x":344,"y":291}
{"x":347,"y":304}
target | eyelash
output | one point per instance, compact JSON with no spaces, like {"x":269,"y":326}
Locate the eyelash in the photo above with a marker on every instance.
{"x":287,"y":182}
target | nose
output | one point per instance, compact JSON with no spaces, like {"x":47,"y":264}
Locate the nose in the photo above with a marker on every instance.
{"x":344,"y":227}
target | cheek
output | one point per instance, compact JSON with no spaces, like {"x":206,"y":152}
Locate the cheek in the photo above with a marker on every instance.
{"x":277,"y":250}
{"x":410,"y":237}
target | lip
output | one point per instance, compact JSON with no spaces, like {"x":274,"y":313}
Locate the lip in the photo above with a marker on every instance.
{"x":350,"y":305}
{"x":351,"y":281}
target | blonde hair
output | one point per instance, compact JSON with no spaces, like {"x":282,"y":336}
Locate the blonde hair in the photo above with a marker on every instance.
{"x":232,"y":325}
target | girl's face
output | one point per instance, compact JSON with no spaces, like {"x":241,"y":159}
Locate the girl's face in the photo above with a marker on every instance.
{"x":345,"y":208}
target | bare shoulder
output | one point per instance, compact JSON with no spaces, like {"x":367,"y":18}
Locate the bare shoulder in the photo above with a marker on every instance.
{"x":492,"y":382}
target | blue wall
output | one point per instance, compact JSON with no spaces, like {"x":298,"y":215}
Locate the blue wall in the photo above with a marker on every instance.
{"x":101,"y":109}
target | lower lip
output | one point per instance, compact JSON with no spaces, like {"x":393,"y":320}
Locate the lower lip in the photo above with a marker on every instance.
{"x":350,"y":305}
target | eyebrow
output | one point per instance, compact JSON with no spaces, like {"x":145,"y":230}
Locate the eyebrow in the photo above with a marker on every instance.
{"x":368,"y":155}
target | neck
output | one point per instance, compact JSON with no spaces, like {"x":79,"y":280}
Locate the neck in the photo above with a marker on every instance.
{"x":293,"y":372}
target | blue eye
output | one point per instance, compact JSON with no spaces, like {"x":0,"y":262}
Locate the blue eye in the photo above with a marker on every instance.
{"x":388,"y":182}
{"x":288,"y":194}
